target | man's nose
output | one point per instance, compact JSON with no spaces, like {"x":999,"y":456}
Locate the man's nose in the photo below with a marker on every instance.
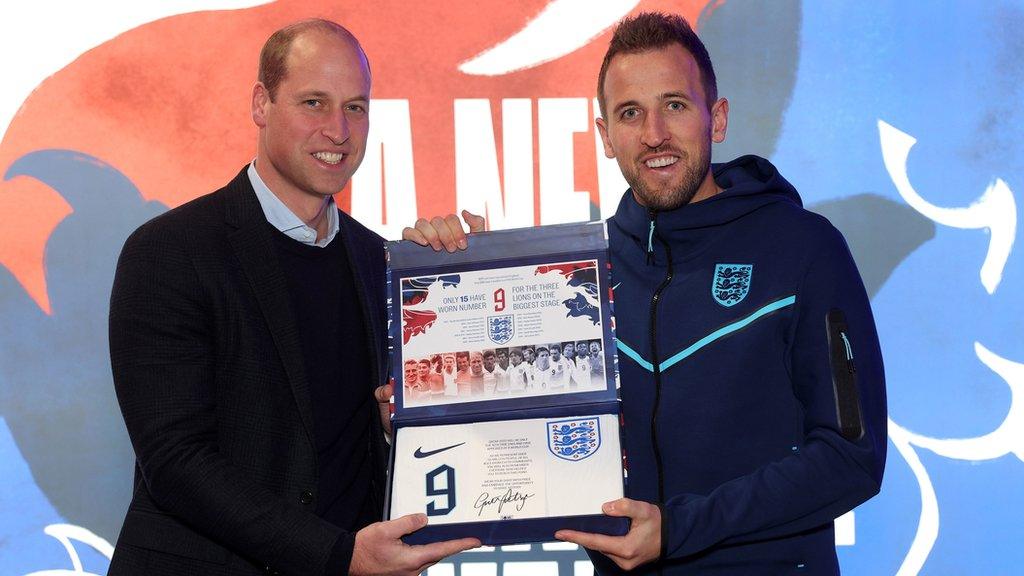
{"x":654,"y":132}
{"x":336,"y":128}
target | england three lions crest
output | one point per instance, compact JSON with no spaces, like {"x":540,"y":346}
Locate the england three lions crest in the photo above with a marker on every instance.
{"x":575,"y":439}
{"x":500,"y":329}
{"x":731,"y":283}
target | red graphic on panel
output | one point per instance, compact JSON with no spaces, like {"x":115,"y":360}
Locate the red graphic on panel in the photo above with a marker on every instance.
{"x":567,"y":269}
{"x":415,"y":322}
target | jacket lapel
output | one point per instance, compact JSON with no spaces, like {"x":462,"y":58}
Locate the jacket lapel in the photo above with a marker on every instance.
{"x":361,"y":270}
{"x":253,"y":245}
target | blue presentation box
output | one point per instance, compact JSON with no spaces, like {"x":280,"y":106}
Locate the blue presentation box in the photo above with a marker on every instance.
{"x":506,"y":416}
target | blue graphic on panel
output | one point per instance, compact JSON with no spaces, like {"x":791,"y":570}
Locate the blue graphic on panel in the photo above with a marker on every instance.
{"x":414,"y":290}
{"x":574,"y":439}
{"x":579,"y":306}
{"x":583,"y":277}
{"x":501,"y":329}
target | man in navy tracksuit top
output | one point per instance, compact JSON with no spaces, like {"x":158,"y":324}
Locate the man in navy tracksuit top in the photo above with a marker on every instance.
{"x":752,"y":384}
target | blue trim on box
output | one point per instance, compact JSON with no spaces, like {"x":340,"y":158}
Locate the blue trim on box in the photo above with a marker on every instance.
{"x":496,"y":245}
{"x":501,"y":532}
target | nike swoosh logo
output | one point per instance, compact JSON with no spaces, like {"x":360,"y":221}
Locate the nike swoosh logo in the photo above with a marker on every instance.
{"x":617,"y":285}
{"x":419,"y":453}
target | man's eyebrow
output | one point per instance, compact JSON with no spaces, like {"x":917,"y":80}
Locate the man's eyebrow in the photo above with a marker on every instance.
{"x":626,"y":104}
{"x":676,"y":95}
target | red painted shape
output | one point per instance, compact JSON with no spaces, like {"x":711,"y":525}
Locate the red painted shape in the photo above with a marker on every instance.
{"x":167,"y":103}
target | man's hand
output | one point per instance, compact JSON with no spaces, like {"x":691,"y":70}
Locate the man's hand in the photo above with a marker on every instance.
{"x":642,"y":544}
{"x":379,"y":551}
{"x":383,"y":396}
{"x":446,"y":233}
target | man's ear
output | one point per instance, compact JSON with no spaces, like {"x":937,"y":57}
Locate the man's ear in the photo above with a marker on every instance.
{"x":602,"y":129}
{"x":719,"y":120}
{"x":260,"y":103}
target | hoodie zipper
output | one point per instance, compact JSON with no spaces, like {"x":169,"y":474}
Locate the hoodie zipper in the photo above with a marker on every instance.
{"x":655,"y":361}
{"x":650,"y":241}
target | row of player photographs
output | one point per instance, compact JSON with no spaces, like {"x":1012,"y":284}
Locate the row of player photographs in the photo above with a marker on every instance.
{"x":491,"y":374}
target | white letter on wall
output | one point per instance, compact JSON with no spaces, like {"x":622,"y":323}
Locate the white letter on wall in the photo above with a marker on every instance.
{"x":557,"y":120}
{"x":393,"y":183}
{"x":477,"y":183}
{"x":610,"y":183}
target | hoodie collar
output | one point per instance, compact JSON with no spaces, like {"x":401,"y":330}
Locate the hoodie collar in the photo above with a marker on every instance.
{"x":748,"y":183}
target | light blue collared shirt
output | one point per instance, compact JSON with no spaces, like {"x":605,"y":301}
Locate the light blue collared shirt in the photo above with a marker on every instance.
{"x":282,"y":218}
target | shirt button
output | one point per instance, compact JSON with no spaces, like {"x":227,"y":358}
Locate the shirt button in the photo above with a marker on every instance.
{"x":307,"y":234}
{"x":306,"y":497}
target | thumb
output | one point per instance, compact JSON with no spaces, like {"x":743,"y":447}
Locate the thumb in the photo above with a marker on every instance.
{"x":404,"y":525}
{"x":476,"y":223}
{"x":620,"y":507}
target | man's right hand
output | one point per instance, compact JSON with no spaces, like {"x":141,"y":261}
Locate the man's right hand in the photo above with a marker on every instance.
{"x":444,"y":233}
{"x":379,"y":549}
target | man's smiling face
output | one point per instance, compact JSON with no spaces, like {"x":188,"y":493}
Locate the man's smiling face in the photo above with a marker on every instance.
{"x":659,"y":128}
{"x":313,"y":129}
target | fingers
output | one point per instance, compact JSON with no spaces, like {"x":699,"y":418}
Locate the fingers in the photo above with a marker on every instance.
{"x":438,"y":233}
{"x":444,"y":233}
{"x":423,"y":234}
{"x":599,"y":542}
{"x":383,"y":393}
{"x":476,"y":223}
{"x":626,"y":553}
{"x":430,"y":554}
{"x":414,"y":235}
{"x":438,"y":550}
{"x":458,"y":235}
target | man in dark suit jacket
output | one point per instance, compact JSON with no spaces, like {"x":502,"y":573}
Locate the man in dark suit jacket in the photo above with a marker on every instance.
{"x":247,"y":338}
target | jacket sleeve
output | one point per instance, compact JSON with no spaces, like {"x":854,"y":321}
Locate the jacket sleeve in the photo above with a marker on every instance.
{"x":830,"y":473}
{"x":162,"y":348}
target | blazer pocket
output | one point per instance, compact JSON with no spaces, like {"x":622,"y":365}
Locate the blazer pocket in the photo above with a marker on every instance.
{"x":165,"y":534}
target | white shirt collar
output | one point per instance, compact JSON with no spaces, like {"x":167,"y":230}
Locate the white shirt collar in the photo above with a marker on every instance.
{"x":281,"y":217}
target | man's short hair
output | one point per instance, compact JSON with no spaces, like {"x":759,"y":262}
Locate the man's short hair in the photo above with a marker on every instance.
{"x":274,"y":55}
{"x":653,"y":30}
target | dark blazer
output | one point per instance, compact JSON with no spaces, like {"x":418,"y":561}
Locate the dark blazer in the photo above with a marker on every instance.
{"x":209,"y":375}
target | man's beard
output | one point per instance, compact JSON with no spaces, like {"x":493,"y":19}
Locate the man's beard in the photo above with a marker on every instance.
{"x":681,"y":195}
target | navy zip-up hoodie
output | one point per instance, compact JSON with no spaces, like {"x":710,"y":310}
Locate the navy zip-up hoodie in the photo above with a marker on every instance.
{"x":752,"y":384}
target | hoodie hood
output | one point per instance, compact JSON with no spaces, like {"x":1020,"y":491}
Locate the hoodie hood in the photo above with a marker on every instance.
{"x":748,"y":182}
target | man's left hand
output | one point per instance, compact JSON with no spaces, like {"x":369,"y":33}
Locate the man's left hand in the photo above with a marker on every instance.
{"x":642,"y":544}
{"x":444,"y":233}
{"x":383,"y":396}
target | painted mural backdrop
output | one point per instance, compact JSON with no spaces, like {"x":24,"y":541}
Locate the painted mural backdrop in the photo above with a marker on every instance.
{"x":900,"y":121}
